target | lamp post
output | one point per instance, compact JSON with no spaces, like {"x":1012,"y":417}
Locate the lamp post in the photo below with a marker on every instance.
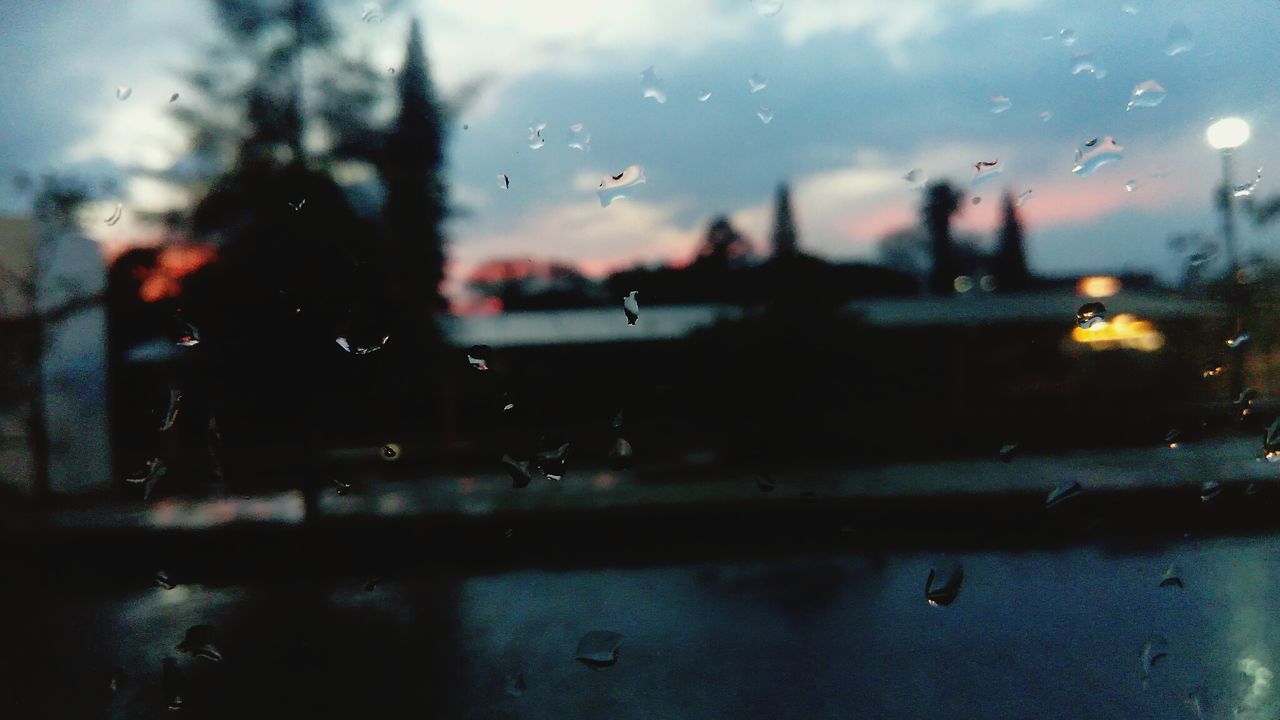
{"x":1225,"y":136}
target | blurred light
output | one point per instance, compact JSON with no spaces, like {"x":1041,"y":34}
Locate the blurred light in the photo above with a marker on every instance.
{"x":1124,"y":332}
{"x":1098,"y":286}
{"x":987,"y":283}
{"x":963,"y":284}
{"x":1227,"y":134}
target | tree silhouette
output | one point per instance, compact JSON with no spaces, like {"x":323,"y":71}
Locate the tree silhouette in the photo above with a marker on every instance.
{"x":1010,"y":262}
{"x":941,"y":202}
{"x":412,"y":170}
{"x":784,"y":230}
{"x":722,"y":247}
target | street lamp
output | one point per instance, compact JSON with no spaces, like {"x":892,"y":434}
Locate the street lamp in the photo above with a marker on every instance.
{"x":1224,"y":136}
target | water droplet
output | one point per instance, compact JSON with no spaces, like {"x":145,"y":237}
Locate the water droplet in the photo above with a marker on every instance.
{"x":765,"y":483}
{"x":767,"y":8}
{"x":1207,"y":252}
{"x":342,"y":488}
{"x":1172,"y":438}
{"x":173,"y":98}
{"x":962,"y":283}
{"x":1178,"y":40}
{"x":171,"y":414}
{"x":599,"y":649}
{"x":1238,"y":340}
{"x":704,"y":95}
{"x":916,"y":177}
{"x":173,"y":684}
{"x":631,"y":306}
{"x":1129,"y":9}
{"x":1094,"y":153}
{"x":1212,"y":370}
{"x":115,"y":214}
{"x":155,"y":470}
{"x":999,"y":103}
{"x":390,"y":452}
{"x":1246,"y":189}
{"x":372,"y":584}
{"x":199,"y":642}
{"x":1007,"y":452}
{"x":617,"y":423}
{"x":1148,"y":93}
{"x":1271,"y":440}
{"x":1154,"y":649}
{"x":620,"y":454}
{"x":1091,"y":314}
{"x":521,"y":472}
{"x":653,"y":86}
{"x":536,"y":141}
{"x":620,"y":186}
{"x":757,"y":82}
{"x":123,"y":92}
{"x":1209,"y":490}
{"x":943,"y":584}
{"x":392,"y":71}
{"x":765,"y":114}
{"x":1067,"y":36}
{"x":372,"y":13}
{"x":162,"y":579}
{"x":503,"y":181}
{"x":346,"y":345}
{"x":478,"y":357}
{"x":552,"y":461}
{"x":297,"y":205}
{"x":975,"y":200}
{"x":1067,"y":491}
{"x":1172,"y":577}
{"x":466,"y":126}
{"x":987,"y":283}
{"x":515,"y":685}
{"x":579,"y":137}
{"x":984,"y":170}
{"x":1023,"y":198}
{"x":1131,"y":185}
{"x":1087,"y":62}
{"x":1046,"y":116}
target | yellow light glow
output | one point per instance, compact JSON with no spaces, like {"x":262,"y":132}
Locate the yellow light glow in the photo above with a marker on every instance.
{"x":1098,"y":286}
{"x":1123,"y":332}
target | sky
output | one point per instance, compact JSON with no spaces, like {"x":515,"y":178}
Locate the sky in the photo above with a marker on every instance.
{"x":860,"y":93}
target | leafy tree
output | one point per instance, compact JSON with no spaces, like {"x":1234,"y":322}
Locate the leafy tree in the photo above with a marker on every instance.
{"x":941,"y":203}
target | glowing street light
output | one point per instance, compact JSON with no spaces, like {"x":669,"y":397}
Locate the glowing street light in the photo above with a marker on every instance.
{"x":1227,"y":134}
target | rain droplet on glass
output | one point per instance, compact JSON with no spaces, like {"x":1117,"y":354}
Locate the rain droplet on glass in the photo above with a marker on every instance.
{"x":341,"y":488}
{"x":1129,"y":9}
{"x":173,"y":684}
{"x":1172,"y":577}
{"x":372,"y":13}
{"x":767,"y":8}
{"x":976,"y":200}
{"x":171,"y":414}
{"x":916,"y":177}
{"x":521,"y":472}
{"x":372,"y":584}
{"x":1007,"y":452}
{"x":984,"y":170}
{"x":1209,"y":490}
{"x":579,"y":137}
{"x":1173,"y":438}
{"x":1023,"y":198}
{"x":1155,"y":649}
{"x":1065,"y":492}
{"x":616,"y":187}
{"x":1212,"y":370}
{"x":116,"y":214}
{"x":1238,"y":340}
{"x":620,"y":454}
{"x":1178,"y":40}
{"x":1147,"y":93}
{"x":757,"y":82}
{"x":943,"y":584}
{"x":1045,"y":116}
{"x":765,"y":483}
{"x":390,"y":452}
{"x":1067,"y":36}
{"x":552,"y":461}
{"x":1087,"y":62}
{"x":155,"y":470}
{"x":1131,"y":185}
{"x":598,"y":649}
{"x":346,"y":345}
{"x":765,"y":114}
{"x":631,"y":306}
{"x":297,"y":205}
{"x":536,"y":141}
{"x":999,"y":103}
{"x":199,"y":641}
{"x":173,"y":98}
{"x":704,"y":95}
{"x":123,"y":92}
{"x":1246,"y":189}
{"x":1091,"y":314}
{"x":1271,"y":439}
{"x":653,"y":86}
{"x":478,"y":357}
{"x":162,"y":579}
{"x":503,"y":181}
{"x":1094,"y":153}
{"x":616,"y":425}
{"x":515,"y":685}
